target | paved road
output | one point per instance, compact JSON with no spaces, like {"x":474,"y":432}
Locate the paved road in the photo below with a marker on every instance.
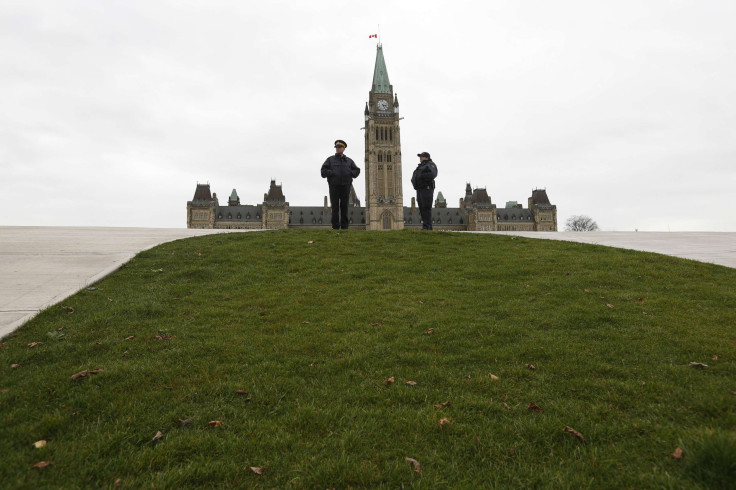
{"x":41,"y":266}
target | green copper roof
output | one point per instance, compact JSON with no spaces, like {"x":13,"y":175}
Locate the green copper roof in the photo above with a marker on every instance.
{"x":440,"y":197}
{"x":234,"y":195}
{"x":381,"y":85}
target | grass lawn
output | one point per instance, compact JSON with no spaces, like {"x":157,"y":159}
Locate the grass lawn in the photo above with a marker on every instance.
{"x":264,"y":353}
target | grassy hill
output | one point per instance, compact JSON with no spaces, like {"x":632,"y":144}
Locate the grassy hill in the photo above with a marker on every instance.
{"x":275,"y":351}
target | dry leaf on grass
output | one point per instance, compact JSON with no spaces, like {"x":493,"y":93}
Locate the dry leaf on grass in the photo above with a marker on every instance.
{"x":506,"y":406}
{"x":256,"y":469}
{"x":530,"y":367}
{"x":158,"y":436}
{"x":493,"y":377}
{"x":699,"y":365}
{"x":677,"y":454}
{"x":164,"y":337}
{"x":443,"y":422}
{"x":184,"y":422}
{"x":214,"y":423}
{"x":575,"y":433}
{"x":129,"y":338}
{"x":34,"y":344}
{"x":715,"y":358}
{"x":587,"y":290}
{"x":241,"y":392}
{"x":85,"y":373}
{"x":310,"y":242}
{"x":68,"y":309}
{"x":39,"y":444}
{"x":390,"y":380}
{"x":415,"y":465}
{"x":410,"y":383}
{"x":429,"y":331}
{"x":43,"y":464}
{"x":442,"y":405}
{"x":14,"y":366}
{"x":376,"y":324}
{"x":118,"y":482}
{"x":609,"y":305}
{"x":535,"y":407}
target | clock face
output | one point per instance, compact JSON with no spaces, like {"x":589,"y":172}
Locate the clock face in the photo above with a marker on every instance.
{"x":382,"y":105}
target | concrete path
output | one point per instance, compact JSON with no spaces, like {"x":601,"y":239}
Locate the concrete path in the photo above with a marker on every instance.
{"x":714,"y":247}
{"x":41,"y":266}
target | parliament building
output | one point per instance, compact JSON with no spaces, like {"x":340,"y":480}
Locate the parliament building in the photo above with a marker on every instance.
{"x":384,"y":200}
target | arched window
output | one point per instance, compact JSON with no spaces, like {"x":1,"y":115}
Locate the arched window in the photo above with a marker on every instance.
{"x":380,"y":157}
{"x":388,"y":157}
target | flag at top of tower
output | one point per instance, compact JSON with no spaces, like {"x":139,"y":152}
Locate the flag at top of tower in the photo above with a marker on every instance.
{"x":373,"y":35}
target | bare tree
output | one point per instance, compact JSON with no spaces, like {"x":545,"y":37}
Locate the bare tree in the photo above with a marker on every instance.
{"x":581,"y":223}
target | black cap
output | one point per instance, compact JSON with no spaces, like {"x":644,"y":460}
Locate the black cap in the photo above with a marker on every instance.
{"x":341,"y":142}
{"x":423,"y":154}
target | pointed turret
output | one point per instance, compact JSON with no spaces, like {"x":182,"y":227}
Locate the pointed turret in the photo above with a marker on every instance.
{"x":381,"y":85}
{"x":234,"y":199}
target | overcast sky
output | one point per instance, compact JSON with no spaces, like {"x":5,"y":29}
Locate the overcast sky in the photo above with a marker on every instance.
{"x":112,"y":111}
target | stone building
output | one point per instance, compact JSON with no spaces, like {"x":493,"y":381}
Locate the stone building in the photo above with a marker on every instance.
{"x":384,"y":201}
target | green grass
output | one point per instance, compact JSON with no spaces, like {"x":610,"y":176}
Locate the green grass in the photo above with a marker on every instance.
{"x":312,"y":331}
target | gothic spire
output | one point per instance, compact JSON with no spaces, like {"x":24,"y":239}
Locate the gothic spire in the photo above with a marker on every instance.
{"x":381,"y":85}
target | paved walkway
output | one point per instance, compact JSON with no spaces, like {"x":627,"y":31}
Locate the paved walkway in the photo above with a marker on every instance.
{"x":41,"y":266}
{"x":714,"y":247}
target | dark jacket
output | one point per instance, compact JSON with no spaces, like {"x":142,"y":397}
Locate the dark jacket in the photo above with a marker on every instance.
{"x":339,"y":170}
{"x":424,"y":175}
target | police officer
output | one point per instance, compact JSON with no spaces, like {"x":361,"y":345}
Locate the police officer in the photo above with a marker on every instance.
{"x":423,"y":181}
{"x":339,"y":171}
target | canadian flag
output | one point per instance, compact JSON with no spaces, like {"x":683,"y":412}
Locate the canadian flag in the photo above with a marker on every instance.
{"x":373,"y":35}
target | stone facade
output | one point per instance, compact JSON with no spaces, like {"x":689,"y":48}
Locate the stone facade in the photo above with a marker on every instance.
{"x":384,"y":202}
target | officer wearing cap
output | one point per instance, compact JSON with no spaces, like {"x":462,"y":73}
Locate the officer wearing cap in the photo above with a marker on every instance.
{"x":423,"y":181}
{"x":339,"y":171}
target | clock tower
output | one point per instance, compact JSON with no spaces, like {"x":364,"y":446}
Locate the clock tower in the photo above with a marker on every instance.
{"x":384,"y":198}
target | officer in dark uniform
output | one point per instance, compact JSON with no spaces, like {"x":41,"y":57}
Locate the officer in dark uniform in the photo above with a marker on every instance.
{"x":423,"y":181}
{"x":339,"y":171}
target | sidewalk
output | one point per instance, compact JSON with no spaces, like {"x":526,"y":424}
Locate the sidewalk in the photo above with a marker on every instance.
{"x":40,"y":266}
{"x":713,"y":247}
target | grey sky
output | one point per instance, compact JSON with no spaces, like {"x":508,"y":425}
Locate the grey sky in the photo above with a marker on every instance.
{"x":113,"y":111}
